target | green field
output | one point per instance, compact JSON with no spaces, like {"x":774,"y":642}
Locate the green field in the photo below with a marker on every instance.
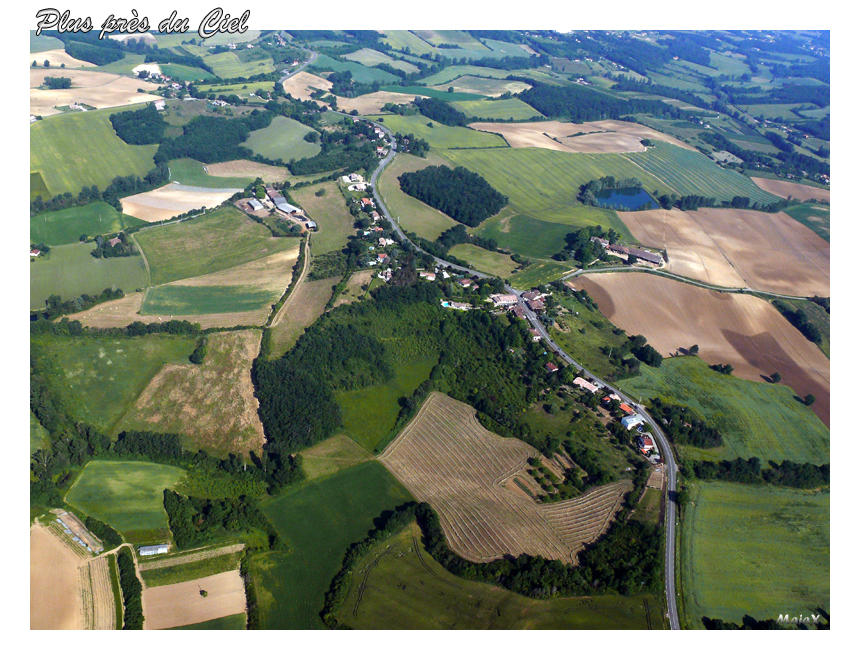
{"x":318,"y":520}
{"x":755,"y":419}
{"x":441,"y":94}
{"x":240,"y":89}
{"x":124,"y":66}
{"x":228,"y":65}
{"x":284,"y":139}
{"x":478,"y":258}
{"x":70,"y":270}
{"x":361,"y":74}
{"x":232,"y":622}
{"x":403,"y":39}
{"x":38,"y":187}
{"x":817,"y":315}
{"x":39,"y":436}
{"x":399,"y":586}
{"x":540,"y":273}
{"x":774,"y":110}
{"x":210,"y":243}
{"x":501,"y":109}
{"x":691,"y":173}
{"x":815,"y":216}
{"x":450,"y":73}
{"x":43,"y":42}
{"x":194,"y":570}
{"x":80,"y":149}
{"x":371,"y":58}
{"x":369,"y":414}
{"x":187,"y":73}
{"x":330,"y":212}
{"x":332,"y":455}
{"x":100,"y":378}
{"x":172,"y":300}
{"x":441,"y":37}
{"x":66,"y":226}
{"x":190,"y":172}
{"x":440,"y":136}
{"x":484,"y":87}
{"x":127,"y":495}
{"x":754,"y":550}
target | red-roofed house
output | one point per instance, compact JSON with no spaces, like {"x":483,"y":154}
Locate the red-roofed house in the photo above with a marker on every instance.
{"x":551,"y":368}
{"x":627,"y":410}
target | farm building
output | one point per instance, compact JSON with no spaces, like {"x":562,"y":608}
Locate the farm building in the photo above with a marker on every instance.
{"x":311,"y":225}
{"x":287,"y":208}
{"x":644,"y":255}
{"x":603,"y":242}
{"x":618,"y":251}
{"x":584,"y":384}
{"x":113,"y":242}
{"x":632,"y":420}
{"x":35,"y":253}
{"x":148,"y":550}
{"x":519,"y":311}
{"x":503,"y":299}
{"x":255,"y":204}
{"x":551,"y":367}
{"x":535,"y":334}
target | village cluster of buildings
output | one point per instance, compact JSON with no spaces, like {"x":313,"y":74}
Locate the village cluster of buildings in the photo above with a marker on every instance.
{"x":627,"y":252}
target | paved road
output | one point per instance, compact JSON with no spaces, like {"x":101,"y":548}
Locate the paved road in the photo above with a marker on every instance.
{"x":665,"y":450}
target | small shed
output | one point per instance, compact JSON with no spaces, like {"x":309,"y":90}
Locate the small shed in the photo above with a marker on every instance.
{"x":149,"y":550}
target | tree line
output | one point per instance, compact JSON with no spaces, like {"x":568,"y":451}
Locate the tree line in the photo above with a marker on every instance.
{"x":799,"y":319}
{"x":684,"y":425}
{"x":750,"y":471}
{"x":132,"y":617}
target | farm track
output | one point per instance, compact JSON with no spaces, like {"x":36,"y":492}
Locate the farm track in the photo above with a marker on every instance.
{"x":97,"y":595}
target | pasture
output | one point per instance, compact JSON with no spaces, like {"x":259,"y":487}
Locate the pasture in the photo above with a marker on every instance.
{"x":486,"y":261}
{"x":284,"y":139}
{"x":399,"y":586}
{"x":741,"y":547}
{"x":127,"y":495}
{"x":43,"y":42}
{"x":232,"y":622}
{"x":213,"y":242}
{"x":172,"y":200}
{"x":742,"y":330}
{"x":38,"y":187}
{"x":101,"y":377}
{"x":814,"y":216}
{"x":55,"y":599}
{"x":183,"y":603}
{"x":441,"y":94}
{"x":413,"y":215}
{"x":539,"y":273}
{"x":39,"y":436}
{"x":356,"y":288}
{"x":181,"y":300}
{"x":248,"y":169}
{"x":403,"y":39}
{"x":230,"y":65}
{"x":453,"y":72}
{"x":70,"y":270}
{"x":212,"y":403}
{"x":188,"y":73}
{"x":484,"y":86}
{"x":371,"y":58}
{"x":438,"y":38}
{"x":190,"y":172}
{"x":80,"y":149}
{"x":791,"y":190}
{"x":498,"y":109}
{"x":66,"y":226}
{"x":333,"y":455}
{"x":304,"y":306}
{"x":440,"y":136}
{"x":290,"y":587}
{"x":199,"y":564}
{"x":724,"y":247}
{"x":755,"y":419}
{"x":93,"y":88}
{"x":446,"y":458}
{"x":360,"y":73}
{"x":335,"y":222}
{"x":524,"y":235}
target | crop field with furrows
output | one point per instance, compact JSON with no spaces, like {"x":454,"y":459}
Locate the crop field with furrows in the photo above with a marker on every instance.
{"x":790,"y":189}
{"x":183,"y":603}
{"x":691,"y":173}
{"x":55,"y":599}
{"x":97,"y":89}
{"x":440,"y":136}
{"x":97,"y":594}
{"x":501,"y":109}
{"x":446,"y":458}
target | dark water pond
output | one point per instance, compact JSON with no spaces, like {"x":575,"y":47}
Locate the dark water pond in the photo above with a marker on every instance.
{"x":625,"y":199}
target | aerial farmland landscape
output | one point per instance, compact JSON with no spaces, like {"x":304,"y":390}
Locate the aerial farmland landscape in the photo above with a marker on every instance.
{"x":430,"y":330}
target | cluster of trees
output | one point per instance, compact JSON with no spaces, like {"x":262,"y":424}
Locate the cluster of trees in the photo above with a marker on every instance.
{"x":144,"y":126}
{"x":214,"y":139}
{"x":412,"y":145}
{"x":685,"y":426}
{"x":588,"y":191}
{"x":458,"y":234}
{"x":104,"y":250}
{"x":798,"y":318}
{"x":579,"y":245}
{"x":132,"y":617}
{"x":726,"y":369}
{"x":108,"y":535}
{"x":643,"y":351}
{"x":787,"y":473}
{"x":66,"y":328}
{"x":156,"y":56}
{"x":52,"y":82}
{"x":56,"y":306}
{"x":66,"y":200}
{"x":199,"y":353}
{"x":459,"y":193}
{"x":438,"y":110}
{"x":818,"y":95}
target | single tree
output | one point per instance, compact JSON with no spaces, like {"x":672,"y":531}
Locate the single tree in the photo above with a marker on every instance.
{"x":82,"y":238}
{"x":809,"y":400}
{"x":775,"y":377}
{"x":694,"y":349}
{"x":35,"y":63}
{"x":46,"y":63}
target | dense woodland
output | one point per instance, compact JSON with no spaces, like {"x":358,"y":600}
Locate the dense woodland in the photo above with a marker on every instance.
{"x":458,"y":193}
{"x":144,"y":126}
{"x":684,"y":426}
{"x":788,"y":474}
{"x":132,"y":590}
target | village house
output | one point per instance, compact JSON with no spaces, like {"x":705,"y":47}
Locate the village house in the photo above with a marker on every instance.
{"x":366,"y":201}
{"x":627,"y":410}
{"x":569,"y":285}
{"x":607,"y":399}
{"x":551,"y":368}
{"x":503,"y":299}
{"x":375,"y":216}
{"x":519,"y":311}
{"x":383,"y":257}
{"x":360,"y":187}
{"x":632,"y":420}
{"x":645,"y":443}
{"x":585,"y":385}
{"x":159,"y":105}
{"x":35,"y":253}
{"x":430,"y":277}
{"x":603,"y":242}
{"x":465,"y":282}
{"x":113,"y":242}
{"x":385,"y":274}
{"x":536,"y":305}
{"x":535,"y":334}
{"x":385,"y":241}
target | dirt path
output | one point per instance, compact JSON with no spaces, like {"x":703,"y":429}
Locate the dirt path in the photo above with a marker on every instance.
{"x":305,"y":268}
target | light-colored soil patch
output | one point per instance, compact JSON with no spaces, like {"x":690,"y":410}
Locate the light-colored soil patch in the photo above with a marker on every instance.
{"x":788,"y":189}
{"x":149,"y":68}
{"x":332,"y":455}
{"x":528,"y":49}
{"x":607,"y":136}
{"x":232,"y":168}
{"x":446,"y":458}
{"x":97,"y":595}
{"x":172,"y":200}
{"x":56,"y":58}
{"x":182,"y":604}
{"x":272,"y":273}
{"x":730,"y":247}
{"x":189,"y":557}
{"x":55,"y":600}
{"x":371,"y":104}
{"x":353,"y":290}
{"x":304,"y":306}
{"x":484,"y":86}
{"x":94,"y":88}
{"x":213,"y":403}
{"x":303,"y":83}
{"x":737,"y":329}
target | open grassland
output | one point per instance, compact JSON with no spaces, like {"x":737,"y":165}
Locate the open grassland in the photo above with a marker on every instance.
{"x":183,"y":604}
{"x":790,"y":190}
{"x":228,"y":65}
{"x":172,"y":200}
{"x":318,"y":520}
{"x":403,"y":39}
{"x":412,"y":215}
{"x":38,"y":187}
{"x":212,"y":403}
{"x":814,"y":216}
{"x":210,"y":243}
{"x":450,"y":73}
{"x":70,"y":270}
{"x":440,"y":136}
{"x":43,"y":42}
{"x":484,"y":86}
{"x":284,"y":139}
{"x":94,"y":88}
{"x":55,"y":600}
{"x":691,"y":173}
{"x":369,"y":414}
{"x":66,"y":226}
{"x":540,"y":272}
{"x":97,"y":594}
{"x":333,"y":455}
{"x":126,"y":495}
{"x":356,"y":288}
{"x":190,"y":172}
{"x":335,"y":222}
{"x":304,"y":306}
{"x":249,"y":169}
{"x":360,"y":73}
{"x":738,"y":248}
{"x":742,"y":549}
{"x":478,"y":258}
{"x":399,"y":586}
{"x":755,"y":419}
{"x":198,"y":565}
{"x":239,"y":89}
{"x":446,"y":458}
{"x":817,"y":315}
{"x":232,"y":622}
{"x":458,"y":37}
{"x":500,"y":109}
{"x":81,"y":149}
{"x":741,"y":330}
{"x":371,"y":58}
{"x":101,"y":377}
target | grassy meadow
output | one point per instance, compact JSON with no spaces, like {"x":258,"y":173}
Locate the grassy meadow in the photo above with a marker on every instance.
{"x":335,"y":222}
{"x":450,"y":73}
{"x":753,"y":550}
{"x":68,"y":225}
{"x":486,"y":261}
{"x":814,"y":216}
{"x":39,"y":436}
{"x":230,"y":65}
{"x":501,"y":109}
{"x":284,"y":139}
{"x":190,"y":172}
{"x":332,"y":455}
{"x":232,"y":622}
{"x":440,"y":136}
{"x":171,"y":300}
{"x":360,"y":73}
{"x":539,"y":272}
{"x":193,"y":570}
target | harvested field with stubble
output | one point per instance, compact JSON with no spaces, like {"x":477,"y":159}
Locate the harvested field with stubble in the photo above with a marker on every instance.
{"x":304,"y":306}
{"x":303,"y":83}
{"x":446,"y":458}
{"x":796,"y":191}
{"x":57,"y":57}
{"x":484,"y":86}
{"x":738,"y":248}
{"x":742,"y":330}
{"x":213,"y":403}
{"x":95,"y":88}
{"x":97,"y":594}
{"x":233,"y":168}
{"x":183,"y":604}
{"x":608,"y":136}
{"x":370,"y":104}
{"x":55,"y":600}
{"x":172,"y":200}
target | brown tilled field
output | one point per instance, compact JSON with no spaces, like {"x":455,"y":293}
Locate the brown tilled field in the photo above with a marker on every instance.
{"x":446,"y":458}
{"x":212,"y":403}
{"x":738,"y":248}
{"x":269,"y":173}
{"x":182,"y":604}
{"x":788,"y":189}
{"x":97,"y":596}
{"x":737,"y":329}
{"x":171,"y":200}
{"x":95,"y":88}
{"x":55,"y":600}
{"x":608,"y":136}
